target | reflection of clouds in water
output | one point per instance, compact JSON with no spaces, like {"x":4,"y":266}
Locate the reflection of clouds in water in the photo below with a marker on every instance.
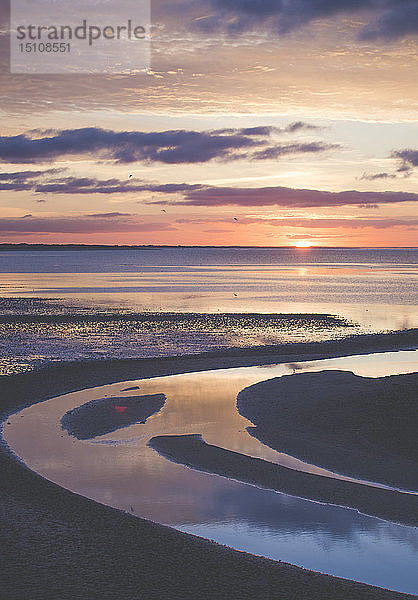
{"x":284,"y":515}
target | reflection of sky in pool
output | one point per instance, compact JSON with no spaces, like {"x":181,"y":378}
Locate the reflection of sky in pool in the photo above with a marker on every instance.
{"x":120,"y":470}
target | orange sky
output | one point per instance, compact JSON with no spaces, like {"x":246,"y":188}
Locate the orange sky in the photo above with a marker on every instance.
{"x":336,"y":108}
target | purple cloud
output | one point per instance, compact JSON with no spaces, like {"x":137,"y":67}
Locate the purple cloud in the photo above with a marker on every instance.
{"x":24,"y":180}
{"x":389,"y":19}
{"x":94,"y":223}
{"x":408,"y":158}
{"x":36,"y":182}
{"x":170,"y":147}
{"x":289,"y":197}
{"x":398,"y":19}
{"x":280,"y":150}
{"x":301,"y":125}
{"x":267,"y":130}
{"x":317,"y":223}
{"x":25,"y":175}
{"x":344,"y":223}
{"x":376,"y":176}
{"x":408,"y":161}
{"x":206,"y":195}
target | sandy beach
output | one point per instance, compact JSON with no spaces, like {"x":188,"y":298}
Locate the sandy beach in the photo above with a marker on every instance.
{"x":195,"y":453}
{"x":363,"y":427}
{"x":60,"y":545}
{"x":105,"y":415}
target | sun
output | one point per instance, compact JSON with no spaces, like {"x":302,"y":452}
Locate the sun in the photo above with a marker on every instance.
{"x":302,"y":244}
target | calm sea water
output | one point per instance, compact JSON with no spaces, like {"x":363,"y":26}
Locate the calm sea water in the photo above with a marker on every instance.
{"x":128,"y":260}
{"x":373,"y":288}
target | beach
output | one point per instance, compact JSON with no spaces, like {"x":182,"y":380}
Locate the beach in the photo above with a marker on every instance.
{"x":60,"y":545}
{"x":208,"y":300}
{"x":359,"y":426}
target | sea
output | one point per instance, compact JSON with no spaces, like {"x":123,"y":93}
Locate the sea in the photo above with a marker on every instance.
{"x":84,"y":304}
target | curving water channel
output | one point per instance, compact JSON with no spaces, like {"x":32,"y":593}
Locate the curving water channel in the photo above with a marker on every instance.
{"x":120,"y":470}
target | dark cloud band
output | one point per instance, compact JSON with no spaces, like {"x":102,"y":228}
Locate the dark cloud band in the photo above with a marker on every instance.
{"x":289,"y":197}
{"x":95,"y":223}
{"x":387,"y":19}
{"x":170,"y":147}
{"x":209,"y":196}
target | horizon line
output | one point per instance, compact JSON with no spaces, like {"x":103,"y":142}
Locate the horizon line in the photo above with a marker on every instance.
{"x":20,"y":245}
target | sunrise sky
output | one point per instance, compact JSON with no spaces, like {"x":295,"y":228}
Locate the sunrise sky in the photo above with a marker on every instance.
{"x":269,"y":122}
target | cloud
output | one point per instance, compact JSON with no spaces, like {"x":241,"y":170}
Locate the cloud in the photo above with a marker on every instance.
{"x":91,"y":185}
{"x":267,"y":130}
{"x":283,"y":196}
{"x":170,"y":147}
{"x":25,"y":175}
{"x":206,"y":195}
{"x":24,"y":180}
{"x":300,"y":125}
{"x":113,"y":223}
{"x":283,"y":149}
{"x":110,"y":215}
{"x":408,"y":158}
{"x":398,"y":19}
{"x":388,"y":19}
{"x":94,"y":223}
{"x":344,"y":223}
{"x":85,"y":185}
{"x":375,"y":176}
{"x":36,"y":182}
{"x":408,"y":161}
{"x":312,"y":223}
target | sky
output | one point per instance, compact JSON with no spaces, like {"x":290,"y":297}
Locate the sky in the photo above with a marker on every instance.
{"x":261,"y":123}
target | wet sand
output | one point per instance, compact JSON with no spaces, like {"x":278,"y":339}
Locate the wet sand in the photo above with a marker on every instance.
{"x":363,"y":427}
{"x":58,"y":545}
{"x":104,"y":415}
{"x":194,"y":452}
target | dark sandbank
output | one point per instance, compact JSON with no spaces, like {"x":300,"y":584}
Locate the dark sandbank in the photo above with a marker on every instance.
{"x":193,"y":321}
{"x":194,"y":452}
{"x":58,"y":545}
{"x":359,"y":426}
{"x":105,"y":415}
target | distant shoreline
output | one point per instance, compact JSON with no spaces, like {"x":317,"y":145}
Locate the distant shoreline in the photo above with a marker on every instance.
{"x":24,"y":246}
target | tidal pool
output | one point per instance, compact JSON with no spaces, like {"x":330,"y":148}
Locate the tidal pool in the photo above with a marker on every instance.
{"x":120,"y":470}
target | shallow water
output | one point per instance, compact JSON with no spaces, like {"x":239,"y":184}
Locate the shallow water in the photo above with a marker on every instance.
{"x":119,"y":469}
{"x":374,"y":288}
